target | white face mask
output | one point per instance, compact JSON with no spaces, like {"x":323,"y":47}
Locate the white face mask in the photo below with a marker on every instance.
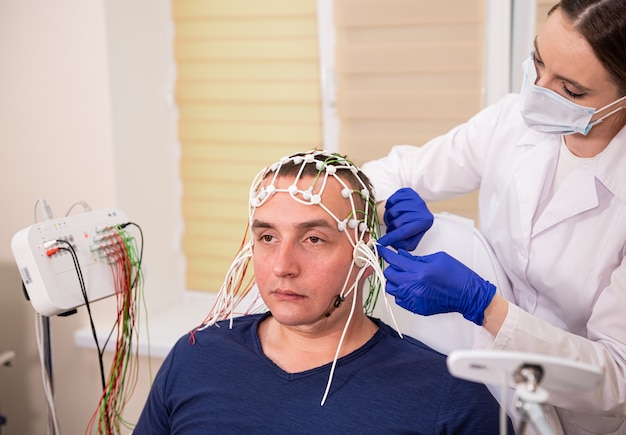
{"x":546,"y":111}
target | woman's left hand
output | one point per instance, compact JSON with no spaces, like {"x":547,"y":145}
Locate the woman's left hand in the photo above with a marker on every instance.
{"x":436,"y":283}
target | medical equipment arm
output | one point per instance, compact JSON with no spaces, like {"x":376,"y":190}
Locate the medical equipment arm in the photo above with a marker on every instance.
{"x":436,"y":283}
{"x":407,"y":219}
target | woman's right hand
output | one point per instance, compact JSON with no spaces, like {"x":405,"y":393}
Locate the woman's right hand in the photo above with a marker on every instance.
{"x":407,"y":219}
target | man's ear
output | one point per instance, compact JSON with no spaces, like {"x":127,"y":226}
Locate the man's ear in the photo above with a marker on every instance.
{"x":358,"y":255}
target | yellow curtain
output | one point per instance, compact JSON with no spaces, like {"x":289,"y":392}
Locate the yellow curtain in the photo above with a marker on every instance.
{"x":407,"y":70}
{"x":248,"y":93}
{"x":543,"y":6}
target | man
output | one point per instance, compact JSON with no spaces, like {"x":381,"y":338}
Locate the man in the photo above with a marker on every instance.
{"x":315,"y":362}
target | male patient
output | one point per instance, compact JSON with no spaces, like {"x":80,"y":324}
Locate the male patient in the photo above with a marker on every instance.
{"x":315,"y":362}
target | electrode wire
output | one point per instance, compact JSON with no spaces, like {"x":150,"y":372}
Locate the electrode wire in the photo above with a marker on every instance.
{"x":230,"y":293}
{"x":121,"y":392}
{"x":121,"y":255}
{"x":105,"y":420}
{"x":343,"y":335}
{"x":69,"y":248}
{"x":364,"y":256}
{"x":138,"y":275}
{"x":80,"y":202}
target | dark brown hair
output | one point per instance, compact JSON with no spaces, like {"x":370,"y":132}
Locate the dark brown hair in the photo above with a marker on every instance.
{"x":603,"y":24}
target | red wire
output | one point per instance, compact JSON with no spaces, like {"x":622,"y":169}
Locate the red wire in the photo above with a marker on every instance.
{"x":115,"y":393}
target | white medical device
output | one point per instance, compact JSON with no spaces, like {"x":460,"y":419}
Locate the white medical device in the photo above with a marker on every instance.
{"x":532,"y":376}
{"x":50,"y":274}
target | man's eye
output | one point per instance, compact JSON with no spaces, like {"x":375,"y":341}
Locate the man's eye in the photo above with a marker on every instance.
{"x":314,"y":239}
{"x":266,"y":238}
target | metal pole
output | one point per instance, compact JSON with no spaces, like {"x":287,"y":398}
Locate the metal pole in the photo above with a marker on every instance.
{"x":45,"y":321}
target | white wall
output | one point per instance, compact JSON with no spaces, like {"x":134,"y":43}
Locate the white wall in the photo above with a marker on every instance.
{"x":84,"y":114}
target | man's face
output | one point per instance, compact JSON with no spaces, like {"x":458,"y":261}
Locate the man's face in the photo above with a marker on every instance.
{"x":301,"y":260}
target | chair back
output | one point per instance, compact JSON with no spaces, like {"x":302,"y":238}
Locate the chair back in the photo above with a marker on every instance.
{"x":458,"y":237}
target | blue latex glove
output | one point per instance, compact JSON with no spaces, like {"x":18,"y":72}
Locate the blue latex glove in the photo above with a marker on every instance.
{"x":436,"y":283}
{"x":407,"y":219}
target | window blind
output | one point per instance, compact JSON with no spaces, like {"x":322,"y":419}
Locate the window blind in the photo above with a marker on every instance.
{"x":543,"y":6}
{"x":248,"y":93}
{"x":407,"y":71}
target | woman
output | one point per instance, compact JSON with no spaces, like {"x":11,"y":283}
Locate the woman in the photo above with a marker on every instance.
{"x":550,"y":164}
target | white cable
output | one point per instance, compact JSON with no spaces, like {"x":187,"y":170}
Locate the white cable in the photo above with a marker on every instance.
{"x":371,"y":259}
{"x":45,"y":209}
{"x":47,"y":385}
{"x":80,"y":202}
{"x":334,"y":364}
{"x":227,"y":301}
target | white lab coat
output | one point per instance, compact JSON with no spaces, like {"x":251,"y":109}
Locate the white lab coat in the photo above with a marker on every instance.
{"x":567,"y":265}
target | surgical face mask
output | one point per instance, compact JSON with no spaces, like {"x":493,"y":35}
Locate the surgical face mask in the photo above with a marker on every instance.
{"x":546,"y":111}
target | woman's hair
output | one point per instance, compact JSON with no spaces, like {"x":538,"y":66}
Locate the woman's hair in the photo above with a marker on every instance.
{"x":603,"y":24}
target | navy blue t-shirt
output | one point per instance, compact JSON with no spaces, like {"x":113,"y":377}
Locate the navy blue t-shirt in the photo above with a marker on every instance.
{"x":224,"y":383}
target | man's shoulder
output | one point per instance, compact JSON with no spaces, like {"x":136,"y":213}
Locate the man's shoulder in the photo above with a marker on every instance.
{"x":237,"y":329}
{"x":410,"y":347}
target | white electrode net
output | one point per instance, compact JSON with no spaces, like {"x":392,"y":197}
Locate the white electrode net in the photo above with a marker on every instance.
{"x":361,"y":227}
{"x":326,"y":168}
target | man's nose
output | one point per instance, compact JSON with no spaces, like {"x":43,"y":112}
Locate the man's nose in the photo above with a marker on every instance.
{"x":286,"y":260}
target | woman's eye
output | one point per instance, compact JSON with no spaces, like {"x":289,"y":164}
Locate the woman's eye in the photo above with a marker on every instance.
{"x":570,"y":93}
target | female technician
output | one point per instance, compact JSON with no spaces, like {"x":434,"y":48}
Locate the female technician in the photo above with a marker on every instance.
{"x":550,"y":164}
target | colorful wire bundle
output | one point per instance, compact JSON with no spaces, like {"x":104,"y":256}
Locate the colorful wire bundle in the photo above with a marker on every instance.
{"x":123,"y":256}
